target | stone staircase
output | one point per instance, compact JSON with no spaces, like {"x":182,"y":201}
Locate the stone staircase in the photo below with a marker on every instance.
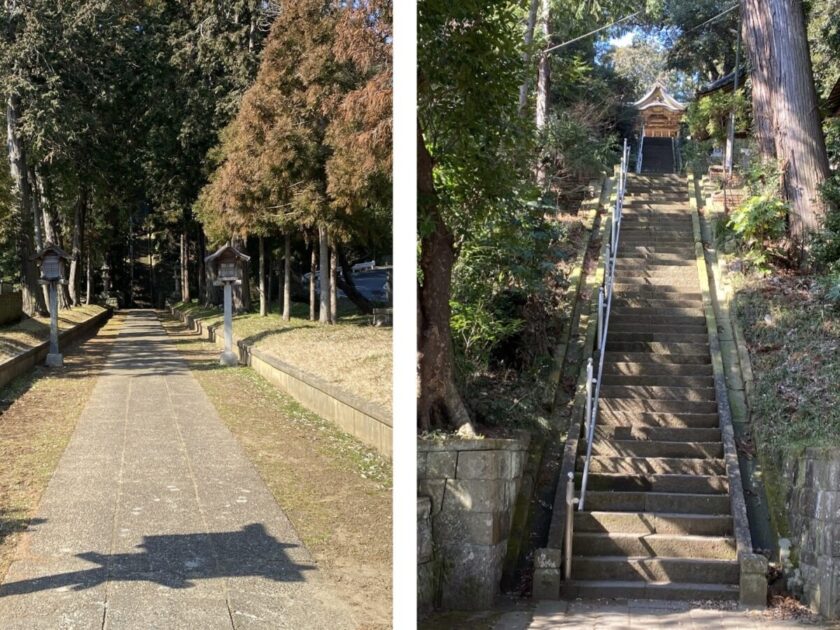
{"x":657,"y":520}
{"x":658,"y":155}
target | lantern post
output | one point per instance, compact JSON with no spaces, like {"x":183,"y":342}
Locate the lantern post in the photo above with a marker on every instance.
{"x":226,"y":262}
{"x":51,"y":260}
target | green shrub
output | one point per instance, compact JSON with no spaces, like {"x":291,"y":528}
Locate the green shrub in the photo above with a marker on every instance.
{"x":761,"y":223}
{"x":826,"y":247}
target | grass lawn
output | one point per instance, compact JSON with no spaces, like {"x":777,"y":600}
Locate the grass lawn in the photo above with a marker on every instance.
{"x":38,"y":413}
{"x":30,"y":331}
{"x":335,"y":490}
{"x":352,"y":354}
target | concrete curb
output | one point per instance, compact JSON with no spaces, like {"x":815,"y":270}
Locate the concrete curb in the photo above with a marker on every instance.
{"x":26,"y":360}
{"x":366,"y":421}
{"x":740,"y":384}
{"x":548,"y":561}
{"x":753,"y":582}
{"x":576,"y":283}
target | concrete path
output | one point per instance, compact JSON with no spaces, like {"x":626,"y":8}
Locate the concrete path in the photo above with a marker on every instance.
{"x":648,"y":614}
{"x":156,"y":519}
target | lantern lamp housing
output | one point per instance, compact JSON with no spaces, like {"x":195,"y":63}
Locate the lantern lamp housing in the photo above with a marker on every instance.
{"x":225,"y":262}
{"x":51,"y":260}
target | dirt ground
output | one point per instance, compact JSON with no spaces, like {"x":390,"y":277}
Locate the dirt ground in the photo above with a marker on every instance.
{"x":336,"y":491}
{"x":30,"y":331}
{"x":38,"y":413}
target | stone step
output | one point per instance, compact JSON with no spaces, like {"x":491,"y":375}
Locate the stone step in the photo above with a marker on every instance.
{"x":664,"y":359}
{"x":657,"y":347}
{"x":626,"y":262}
{"x":664,"y":419}
{"x":660,"y":272}
{"x":632,"y":239}
{"x":642,"y":226}
{"x":657,"y":482}
{"x":653,"y":545}
{"x":651,"y":263}
{"x":612,"y":447}
{"x":667,"y":406}
{"x":654,"y":523}
{"x":656,"y":314}
{"x":646,"y":465}
{"x":657,"y":233}
{"x":657,"y":369}
{"x":677,"y":435}
{"x":649,"y":316}
{"x":705,"y":571}
{"x":691,"y":503}
{"x":696,"y":328}
{"x":658,"y":336}
{"x":623,"y":288}
{"x":661,"y":304}
{"x":658,"y":380}
{"x":632,"y":259}
{"x":649,"y":249}
{"x":675,"y":217}
{"x":680,"y":195}
{"x":654,"y":392}
{"x":640,"y":589}
{"x":690,"y":281}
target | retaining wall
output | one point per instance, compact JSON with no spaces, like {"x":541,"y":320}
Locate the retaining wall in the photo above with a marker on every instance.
{"x":369,"y":423}
{"x":813,"y":506}
{"x":11,"y":307}
{"x":26,"y":360}
{"x":467,"y":491}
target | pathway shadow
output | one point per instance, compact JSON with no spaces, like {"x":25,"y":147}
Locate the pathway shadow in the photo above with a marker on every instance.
{"x":177,"y":561}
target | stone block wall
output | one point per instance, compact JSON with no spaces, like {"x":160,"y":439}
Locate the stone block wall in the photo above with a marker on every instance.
{"x":814,"y":518}
{"x":11,"y":307}
{"x":471,"y":487}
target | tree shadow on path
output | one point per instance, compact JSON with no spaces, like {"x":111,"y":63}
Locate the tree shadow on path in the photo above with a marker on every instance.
{"x":177,"y":561}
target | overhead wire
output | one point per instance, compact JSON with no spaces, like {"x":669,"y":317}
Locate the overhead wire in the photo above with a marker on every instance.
{"x":629,"y":17}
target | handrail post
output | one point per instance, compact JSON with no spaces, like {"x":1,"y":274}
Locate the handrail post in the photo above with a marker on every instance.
{"x":570,"y":523}
{"x":600,"y":317}
{"x":588,"y":417}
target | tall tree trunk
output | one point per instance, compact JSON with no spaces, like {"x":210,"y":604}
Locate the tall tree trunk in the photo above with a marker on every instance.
{"x":543,"y":84}
{"x":185,"y":265}
{"x":269,"y":283}
{"x":333,"y":290}
{"x":131,"y":262}
{"x":439,"y":402}
{"x":38,"y":223}
{"x":88,"y":279}
{"x":287,"y":277}
{"x":263,"y":304}
{"x":32,"y":295}
{"x":757,"y":33}
{"x":74,"y":281}
{"x":52,"y":227}
{"x":324,"y":274}
{"x":346,"y":284}
{"x":152,"y":287}
{"x":313,"y":268}
{"x":242,"y":292}
{"x":526,"y":54}
{"x":202,"y":272}
{"x":800,"y":145}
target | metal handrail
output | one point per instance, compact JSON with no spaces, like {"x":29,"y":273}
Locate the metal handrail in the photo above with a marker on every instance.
{"x":605,"y":298}
{"x":605,"y":293}
{"x":639,"y":154}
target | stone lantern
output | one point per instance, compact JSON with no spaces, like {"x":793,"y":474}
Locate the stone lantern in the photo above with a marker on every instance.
{"x":226,"y":263}
{"x":51,"y":260}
